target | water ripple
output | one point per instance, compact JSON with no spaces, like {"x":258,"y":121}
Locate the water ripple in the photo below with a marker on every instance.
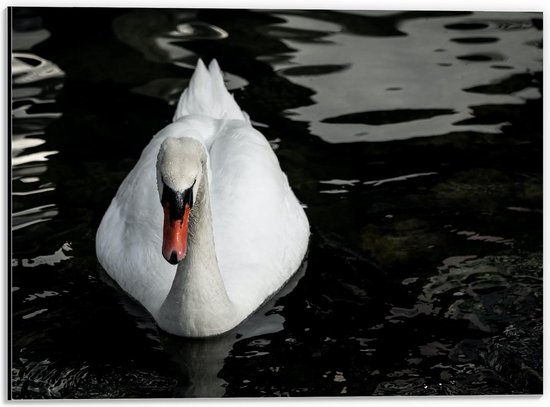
{"x":32,"y":216}
{"x":198,"y":30}
{"x":34,"y":157}
{"x":475,"y":40}
{"x":28,"y":68}
{"x":35,"y":313}
{"x":50,"y":259}
{"x":380,"y":117}
{"x":379,"y":182}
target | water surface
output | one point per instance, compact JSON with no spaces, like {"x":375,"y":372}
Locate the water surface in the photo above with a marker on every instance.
{"x":414,"y":139}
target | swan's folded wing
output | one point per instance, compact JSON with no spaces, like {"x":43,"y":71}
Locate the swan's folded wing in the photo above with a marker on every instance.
{"x":261,"y":231}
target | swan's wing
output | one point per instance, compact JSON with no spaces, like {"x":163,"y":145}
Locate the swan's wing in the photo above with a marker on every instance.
{"x":128,"y":240}
{"x":261,"y":231}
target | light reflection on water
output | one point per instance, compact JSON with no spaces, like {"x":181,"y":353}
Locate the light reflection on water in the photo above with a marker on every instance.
{"x":32,"y":216}
{"x":28,"y":68}
{"x":410,"y":138}
{"x":50,"y":259}
{"x":367,"y":85}
{"x":31,"y":115}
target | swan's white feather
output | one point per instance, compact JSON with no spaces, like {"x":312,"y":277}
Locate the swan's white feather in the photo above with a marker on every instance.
{"x":206,"y":95}
{"x":260,"y":230}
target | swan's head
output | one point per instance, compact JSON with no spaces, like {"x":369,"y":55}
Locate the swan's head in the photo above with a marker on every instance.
{"x":179,"y":173}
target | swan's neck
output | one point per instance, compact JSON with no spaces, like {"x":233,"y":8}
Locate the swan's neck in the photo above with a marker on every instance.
{"x":198,"y":304}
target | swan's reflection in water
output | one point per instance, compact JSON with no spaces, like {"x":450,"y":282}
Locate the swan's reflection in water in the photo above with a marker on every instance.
{"x":201,"y":360}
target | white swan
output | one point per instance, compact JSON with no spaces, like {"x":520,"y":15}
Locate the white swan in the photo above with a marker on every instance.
{"x":208,"y":194}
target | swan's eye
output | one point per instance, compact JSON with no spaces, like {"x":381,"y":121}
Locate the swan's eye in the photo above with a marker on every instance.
{"x":176,"y":201}
{"x":188,"y":196}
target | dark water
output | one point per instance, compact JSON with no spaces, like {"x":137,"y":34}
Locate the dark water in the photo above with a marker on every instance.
{"x":413,"y":138}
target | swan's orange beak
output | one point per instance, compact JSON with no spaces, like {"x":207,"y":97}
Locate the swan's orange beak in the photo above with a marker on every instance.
{"x":174,"y":240}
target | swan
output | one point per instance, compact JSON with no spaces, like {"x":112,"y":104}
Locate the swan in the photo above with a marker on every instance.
{"x":205,"y":228}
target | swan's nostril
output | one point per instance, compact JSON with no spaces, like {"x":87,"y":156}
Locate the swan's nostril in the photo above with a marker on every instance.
{"x":173,"y":258}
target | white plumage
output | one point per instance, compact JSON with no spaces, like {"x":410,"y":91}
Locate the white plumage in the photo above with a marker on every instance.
{"x":248,"y":233}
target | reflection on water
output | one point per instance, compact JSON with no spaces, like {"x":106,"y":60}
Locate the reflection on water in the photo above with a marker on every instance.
{"x":33,"y":110}
{"x":414,"y":79}
{"x":157,"y":34}
{"x":413,"y":139}
{"x":27,"y":68}
{"x":51,"y":259}
{"x":31,"y":216}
